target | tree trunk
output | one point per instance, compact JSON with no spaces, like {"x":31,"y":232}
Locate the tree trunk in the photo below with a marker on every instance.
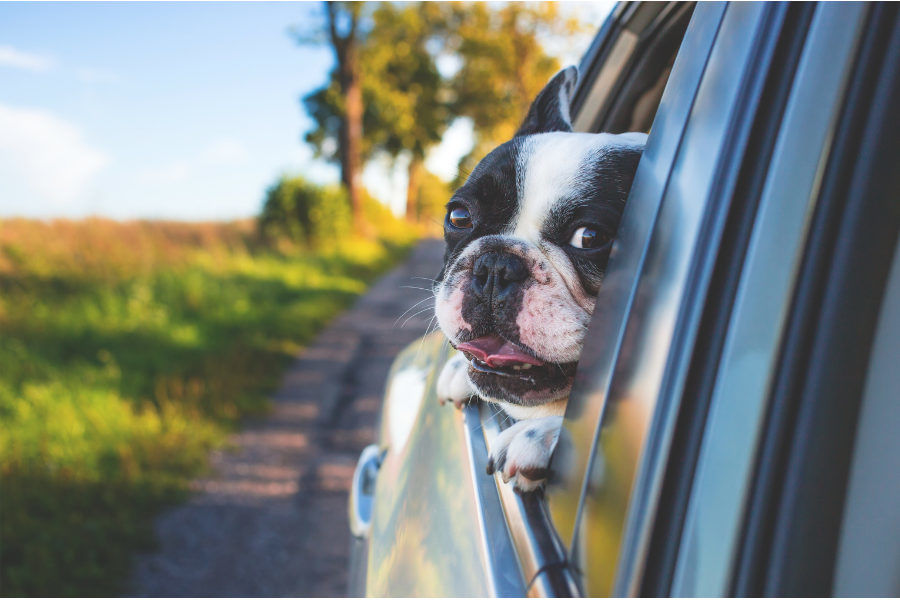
{"x":412,"y":188}
{"x":352,"y":130}
{"x":346,"y":49}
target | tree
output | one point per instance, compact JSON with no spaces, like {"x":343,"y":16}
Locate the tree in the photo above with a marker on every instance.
{"x":503,"y":66}
{"x":406,"y":94}
{"x":407,"y":103}
{"x":404,"y":98}
{"x":338,"y":107}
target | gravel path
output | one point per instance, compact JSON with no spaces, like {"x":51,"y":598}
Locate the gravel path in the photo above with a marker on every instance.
{"x":272,"y":518}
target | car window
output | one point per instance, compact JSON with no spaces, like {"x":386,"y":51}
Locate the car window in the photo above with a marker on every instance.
{"x":653,"y":338}
{"x":634,"y":51}
{"x":828,"y":357}
{"x":583,"y":413}
{"x":712,"y":527}
{"x":636,"y":386}
{"x":869,"y":551}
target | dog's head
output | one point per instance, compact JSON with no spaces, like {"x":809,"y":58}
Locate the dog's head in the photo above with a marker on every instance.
{"x":528,"y":237}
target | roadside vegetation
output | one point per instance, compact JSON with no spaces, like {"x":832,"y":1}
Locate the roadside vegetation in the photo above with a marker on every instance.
{"x":128,"y":351}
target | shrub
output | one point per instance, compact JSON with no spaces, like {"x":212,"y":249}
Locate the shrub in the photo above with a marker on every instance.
{"x":305,"y":213}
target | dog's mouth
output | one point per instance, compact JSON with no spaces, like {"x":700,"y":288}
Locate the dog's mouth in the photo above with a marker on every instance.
{"x":493,"y":354}
{"x":506,"y":371}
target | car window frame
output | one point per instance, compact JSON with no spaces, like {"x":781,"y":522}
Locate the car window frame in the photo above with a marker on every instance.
{"x":791,"y":534}
{"x":728,"y":446}
{"x":571,"y":460}
{"x":541,"y":553}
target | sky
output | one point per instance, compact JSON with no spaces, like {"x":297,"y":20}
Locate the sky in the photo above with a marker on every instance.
{"x":183,"y":111}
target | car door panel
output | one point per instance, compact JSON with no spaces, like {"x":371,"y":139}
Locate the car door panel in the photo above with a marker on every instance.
{"x":712,"y":528}
{"x":437,"y":526}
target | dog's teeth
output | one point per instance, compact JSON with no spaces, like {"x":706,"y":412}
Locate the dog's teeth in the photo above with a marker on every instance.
{"x":526,"y":366}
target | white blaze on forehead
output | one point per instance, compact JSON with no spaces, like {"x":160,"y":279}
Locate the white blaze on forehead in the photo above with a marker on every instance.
{"x":549,"y":166}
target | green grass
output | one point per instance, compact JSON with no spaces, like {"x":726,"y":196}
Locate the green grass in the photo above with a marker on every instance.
{"x":128,"y":351}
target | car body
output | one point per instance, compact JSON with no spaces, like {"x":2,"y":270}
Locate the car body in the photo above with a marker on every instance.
{"x":732,"y":428}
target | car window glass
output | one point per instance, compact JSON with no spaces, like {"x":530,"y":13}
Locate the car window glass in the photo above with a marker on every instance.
{"x":711,"y":532}
{"x":868,"y":561}
{"x":604,"y":342}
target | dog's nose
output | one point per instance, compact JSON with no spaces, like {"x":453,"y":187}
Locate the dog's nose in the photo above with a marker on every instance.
{"x":495,"y":275}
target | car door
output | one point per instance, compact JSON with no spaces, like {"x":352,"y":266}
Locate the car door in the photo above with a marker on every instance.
{"x":661,"y":469}
{"x":426,"y":519}
{"x":700,"y":472}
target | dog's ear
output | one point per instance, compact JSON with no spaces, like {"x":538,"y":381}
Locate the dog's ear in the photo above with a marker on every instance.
{"x":550,"y":110}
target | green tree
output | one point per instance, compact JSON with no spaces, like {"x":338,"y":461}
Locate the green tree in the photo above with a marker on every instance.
{"x":404,"y":97}
{"x":338,"y":107}
{"x":503,"y":66}
{"x":407,"y":104}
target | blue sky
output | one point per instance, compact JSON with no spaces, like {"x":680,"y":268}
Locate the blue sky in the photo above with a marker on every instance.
{"x":162,"y":110}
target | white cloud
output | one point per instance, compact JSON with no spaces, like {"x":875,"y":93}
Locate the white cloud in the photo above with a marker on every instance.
{"x":175,"y":172}
{"x":17,"y":59}
{"x":45,"y":157}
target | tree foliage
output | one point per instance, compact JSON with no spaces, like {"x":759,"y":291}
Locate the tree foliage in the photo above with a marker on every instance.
{"x":409,"y":102}
{"x":503,"y":66}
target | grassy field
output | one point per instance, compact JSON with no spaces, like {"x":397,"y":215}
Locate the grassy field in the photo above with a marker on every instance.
{"x":127,"y":351}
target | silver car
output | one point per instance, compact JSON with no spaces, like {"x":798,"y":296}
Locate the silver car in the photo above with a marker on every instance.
{"x":733,"y":429}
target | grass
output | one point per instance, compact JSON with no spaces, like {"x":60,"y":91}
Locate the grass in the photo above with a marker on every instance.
{"x":127,"y":352}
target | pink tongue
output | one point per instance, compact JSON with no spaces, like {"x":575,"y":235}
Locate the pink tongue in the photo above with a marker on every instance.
{"x":497,"y":352}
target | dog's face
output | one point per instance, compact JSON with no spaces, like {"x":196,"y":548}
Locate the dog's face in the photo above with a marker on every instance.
{"x":528,"y":237}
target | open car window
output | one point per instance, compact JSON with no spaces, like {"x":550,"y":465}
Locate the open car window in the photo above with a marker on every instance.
{"x":621,"y":87}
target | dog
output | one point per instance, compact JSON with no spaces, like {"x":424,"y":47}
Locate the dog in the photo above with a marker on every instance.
{"x":528,"y":237}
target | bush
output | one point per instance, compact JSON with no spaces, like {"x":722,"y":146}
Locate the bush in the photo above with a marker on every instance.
{"x":298,"y":212}
{"x":304,"y":213}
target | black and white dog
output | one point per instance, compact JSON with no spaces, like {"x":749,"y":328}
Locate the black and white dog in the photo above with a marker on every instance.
{"x":528,"y":237}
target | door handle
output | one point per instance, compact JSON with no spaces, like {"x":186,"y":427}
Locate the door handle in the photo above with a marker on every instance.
{"x":362,"y":490}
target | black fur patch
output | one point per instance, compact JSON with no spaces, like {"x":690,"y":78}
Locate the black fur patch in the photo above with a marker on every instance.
{"x":546,"y":114}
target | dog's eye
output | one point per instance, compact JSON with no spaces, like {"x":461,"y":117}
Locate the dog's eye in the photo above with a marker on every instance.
{"x":588,"y":238}
{"x":460,"y":218}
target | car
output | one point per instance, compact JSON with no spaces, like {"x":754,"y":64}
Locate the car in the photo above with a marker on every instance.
{"x":732,"y":427}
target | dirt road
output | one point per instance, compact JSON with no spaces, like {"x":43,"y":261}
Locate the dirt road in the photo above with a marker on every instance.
{"x":271,"y":519}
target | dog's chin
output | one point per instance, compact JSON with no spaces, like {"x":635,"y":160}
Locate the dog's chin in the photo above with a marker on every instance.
{"x":533,"y":386}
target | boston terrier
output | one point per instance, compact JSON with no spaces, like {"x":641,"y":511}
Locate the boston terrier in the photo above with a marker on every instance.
{"x":528,"y":238}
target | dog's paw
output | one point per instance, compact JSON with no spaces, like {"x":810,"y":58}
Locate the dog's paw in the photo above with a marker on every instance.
{"x":453,"y":382}
{"x":522,"y":452}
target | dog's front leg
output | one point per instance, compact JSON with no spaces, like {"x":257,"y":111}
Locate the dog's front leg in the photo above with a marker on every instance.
{"x":522,"y":452}
{"x":453,"y":383}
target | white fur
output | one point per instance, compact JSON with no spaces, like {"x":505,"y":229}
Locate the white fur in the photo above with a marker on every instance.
{"x":453,"y":383}
{"x":448,"y":310}
{"x":549,"y":165}
{"x":526,"y":445}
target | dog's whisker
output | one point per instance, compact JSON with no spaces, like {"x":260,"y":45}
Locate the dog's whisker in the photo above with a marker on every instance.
{"x":415,"y":314}
{"x":410,"y":308}
{"x":413,"y":287}
{"x":422,"y":341}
